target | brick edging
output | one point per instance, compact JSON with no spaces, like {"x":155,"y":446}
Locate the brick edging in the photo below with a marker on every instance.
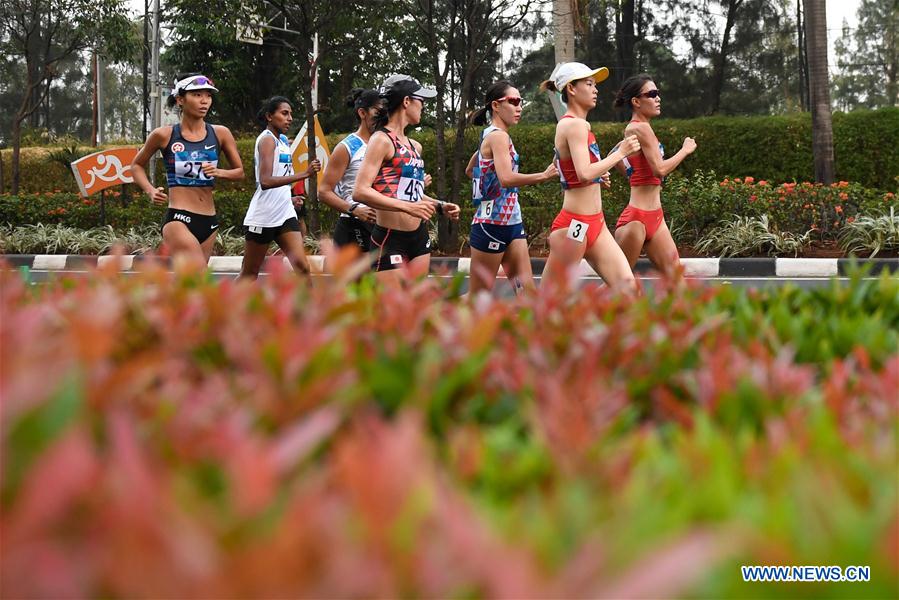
{"x":693,"y":267}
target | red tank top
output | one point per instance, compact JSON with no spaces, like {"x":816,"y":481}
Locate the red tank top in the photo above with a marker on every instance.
{"x":402,"y":176}
{"x":638,"y":169}
{"x":567,"y":173}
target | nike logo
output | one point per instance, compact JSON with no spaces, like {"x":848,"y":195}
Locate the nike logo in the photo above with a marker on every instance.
{"x":213,"y":226}
{"x":209,"y":147}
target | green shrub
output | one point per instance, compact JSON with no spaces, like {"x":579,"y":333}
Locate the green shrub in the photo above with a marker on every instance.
{"x":749,"y":236}
{"x":871,"y":234}
{"x":169,"y":436}
{"x":777,"y":149}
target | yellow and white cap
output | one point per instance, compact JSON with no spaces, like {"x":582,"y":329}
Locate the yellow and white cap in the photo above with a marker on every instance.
{"x":565,"y":73}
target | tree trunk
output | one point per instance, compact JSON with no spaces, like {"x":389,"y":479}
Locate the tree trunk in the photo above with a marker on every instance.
{"x":719,"y":73}
{"x":819,"y":90}
{"x":563,"y":30}
{"x":625,"y":39}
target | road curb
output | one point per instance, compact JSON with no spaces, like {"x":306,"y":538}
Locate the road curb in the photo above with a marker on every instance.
{"x":693,"y":267}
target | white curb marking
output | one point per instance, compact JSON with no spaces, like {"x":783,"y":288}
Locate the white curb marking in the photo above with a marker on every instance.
{"x":49,"y":262}
{"x":806,"y":267}
{"x":700,"y":267}
{"x":123,"y":262}
{"x":225,"y":264}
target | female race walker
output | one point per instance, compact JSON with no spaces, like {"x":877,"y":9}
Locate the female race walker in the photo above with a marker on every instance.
{"x":497,"y":232}
{"x":392,"y":179}
{"x":356,"y":219}
{"x":641,"y":225}
{"x":579,"y":231}
{"x":271,"y":216}
{"x":191,"y":151}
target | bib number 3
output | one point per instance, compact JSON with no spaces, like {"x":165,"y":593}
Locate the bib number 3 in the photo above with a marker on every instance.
{"x":577,"y":231}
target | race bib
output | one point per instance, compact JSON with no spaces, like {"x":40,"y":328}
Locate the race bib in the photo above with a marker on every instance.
{"x":577,"y":231}
{"x":485,"y":209}
{"x":411,"y":186}
{"x":189,"y":167}
{"x":284,"y":167}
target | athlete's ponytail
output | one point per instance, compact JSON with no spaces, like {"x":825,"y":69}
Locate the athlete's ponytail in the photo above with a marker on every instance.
{"x":630,"y":89}
{"x":550,"y":86}
{"x":269,"y":107}
{"x":362,"y":99}
{"x":390,"y":103}
{"x":494,"y":92}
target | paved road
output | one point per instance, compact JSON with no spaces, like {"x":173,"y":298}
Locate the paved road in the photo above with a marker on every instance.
{"x":503,"y":287}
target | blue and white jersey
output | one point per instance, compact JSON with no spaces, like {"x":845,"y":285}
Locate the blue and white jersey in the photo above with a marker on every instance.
{"x":496,"y":205}
{"x":355,"y":147}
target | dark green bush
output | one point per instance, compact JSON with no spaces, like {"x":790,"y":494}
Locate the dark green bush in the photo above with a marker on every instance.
{"x":777,"y":149}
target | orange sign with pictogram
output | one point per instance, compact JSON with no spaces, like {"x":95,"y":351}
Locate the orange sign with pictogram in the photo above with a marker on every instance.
{"x":100,"y":170}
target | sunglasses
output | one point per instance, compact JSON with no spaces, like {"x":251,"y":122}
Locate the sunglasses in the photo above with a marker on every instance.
{"x":649,"y":94}
{"x":513,"y":100}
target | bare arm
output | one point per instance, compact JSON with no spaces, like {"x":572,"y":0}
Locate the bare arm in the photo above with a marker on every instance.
{"x":575,"y":132}
{"x":229,"y":148}
{"x":661,"y":167}
{"x":157,"y":140}
{"x":337,"y":165}
{"x":498,"y":141}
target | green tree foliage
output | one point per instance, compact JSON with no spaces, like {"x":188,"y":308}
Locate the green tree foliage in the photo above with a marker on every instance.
{"x":44,"y":34}
{"x":868,"y":58}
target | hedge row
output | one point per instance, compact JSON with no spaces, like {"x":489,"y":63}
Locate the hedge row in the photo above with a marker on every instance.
{"x":173,"y":437}
{"x":776,"y":148}
{"x":692,"y":206}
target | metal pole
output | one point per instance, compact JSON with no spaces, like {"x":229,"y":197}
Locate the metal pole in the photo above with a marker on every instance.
{"x":145,"y":66}
{"x":155,"y":99}
{"x":315,"y":73}
{"x":100,"y":137}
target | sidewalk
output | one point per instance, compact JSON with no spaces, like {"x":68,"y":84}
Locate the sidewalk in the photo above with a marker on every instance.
{"x":693,"y":267}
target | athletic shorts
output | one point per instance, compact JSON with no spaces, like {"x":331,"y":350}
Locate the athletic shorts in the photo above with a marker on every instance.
{"x":201,"y":226}
{"x":396,"y":247}
{"x":267,"y":235}
{"x":350,"y":230}
{"x":494,"y":238}
{"x":651,"y":219}
{"x":587,"y":228}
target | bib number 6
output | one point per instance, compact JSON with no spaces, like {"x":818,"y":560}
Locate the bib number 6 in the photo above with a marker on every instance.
{"x":577,"y":231}
{"x":486,"y":209}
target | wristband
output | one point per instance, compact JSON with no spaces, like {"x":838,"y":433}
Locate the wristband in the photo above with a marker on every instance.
{"x":440,"y":207}
{"x":353,"y":206}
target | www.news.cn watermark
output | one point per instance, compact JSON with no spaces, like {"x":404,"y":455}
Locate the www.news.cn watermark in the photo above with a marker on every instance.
{"x":805,"y":573}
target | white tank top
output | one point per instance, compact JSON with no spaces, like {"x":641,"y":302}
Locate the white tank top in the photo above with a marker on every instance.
{"x":355,"y":147}
{"x":272,"y":207}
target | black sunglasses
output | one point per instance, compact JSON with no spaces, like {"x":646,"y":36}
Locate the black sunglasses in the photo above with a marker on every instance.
{"x":649,"y":94}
